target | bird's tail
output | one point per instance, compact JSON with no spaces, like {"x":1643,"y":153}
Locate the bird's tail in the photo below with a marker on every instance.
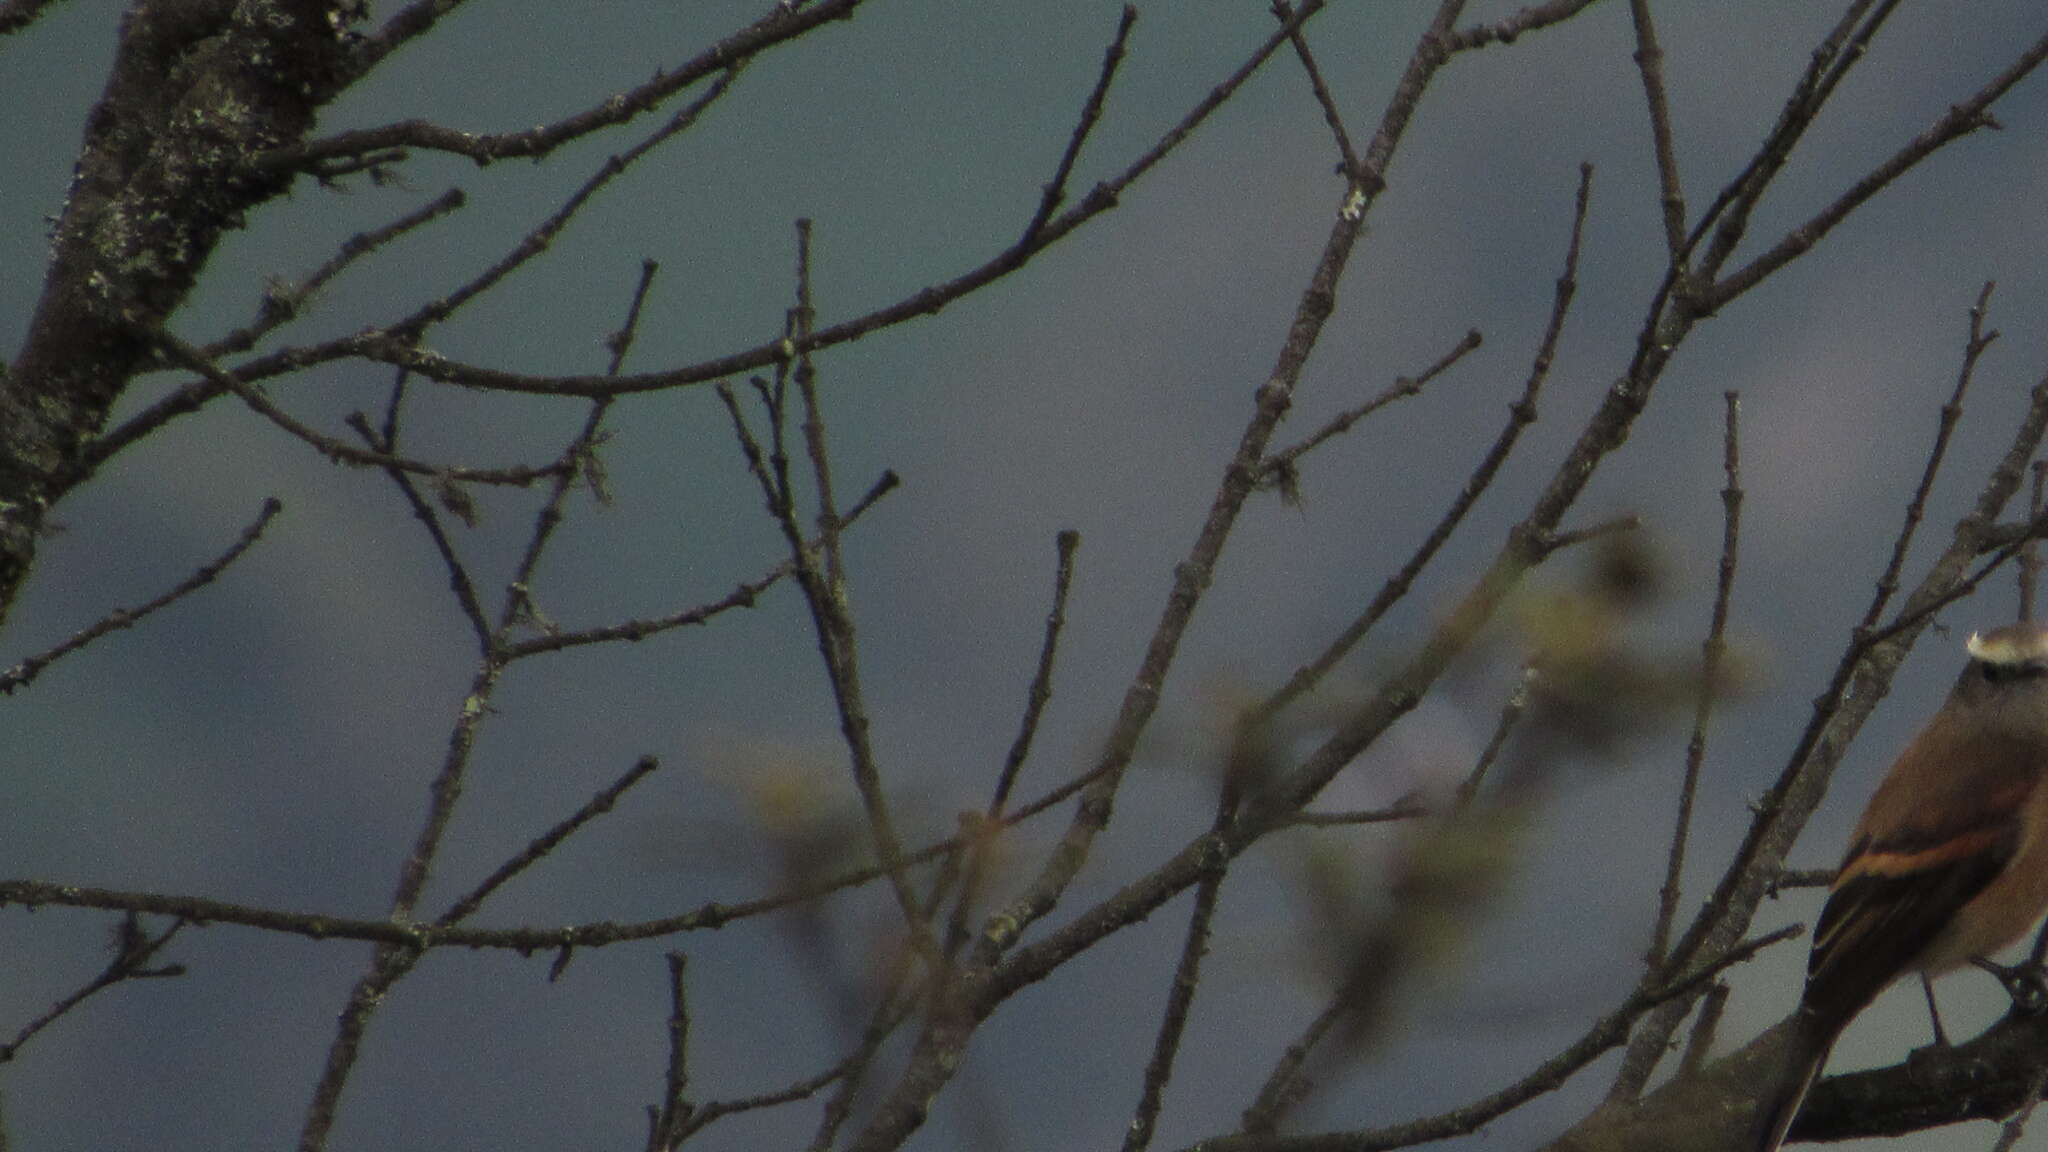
{"x":1805,"y":1053}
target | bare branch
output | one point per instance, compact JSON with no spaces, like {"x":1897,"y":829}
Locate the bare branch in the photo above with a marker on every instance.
{"x":1701,"y":1041}
{"x":1959,"y":121}
{"x":665,"y":1123}
{"x":831,"y":618}
{"x":1859,"y":681}
{"x":134,"y":948}
{"x":742,"y":596}
{"x":1521,"y":414}
{"x":1180,"y":992}
{"x":581,"y":458}
{"x":953,"y":1016}
{"x":1649,"y":58}
{"x":458,"y":576}
{"x":548,"y":841}
{"x":1352,"y":166}
{"x":1280,"y":466}
{"x":1091,"y":111}
{"x":1916,"y":507}
{"x":543,"y":234}
{"x":1511,"y":711}
{"x":1727,"y":218}
{"x":1040,"y":692}
{"x":1507,"y":30}
{"x":1712,"y":651}
{"x":283,"y":303}
{"x":1647,"y":1047}
{"x":405,"y":330}
{"x":1548,"y":1076}
{"x":120,"y":618}
{"x":328,"y":446}
{"x":783,"y":23}
{"x":377,"y":345}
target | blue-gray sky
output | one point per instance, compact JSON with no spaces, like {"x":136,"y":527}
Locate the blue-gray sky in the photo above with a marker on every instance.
{"x":269,"y":739}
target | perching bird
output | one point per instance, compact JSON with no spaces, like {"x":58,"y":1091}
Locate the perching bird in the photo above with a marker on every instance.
{"x":1949,"y":862}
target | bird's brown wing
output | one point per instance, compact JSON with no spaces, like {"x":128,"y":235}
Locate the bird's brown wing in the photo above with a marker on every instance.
{"x":1892,"y":897}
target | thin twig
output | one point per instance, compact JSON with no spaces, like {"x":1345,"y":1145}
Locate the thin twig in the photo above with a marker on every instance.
{"x":1701,"y":1041}
{"x":403,"y":332}
{"x":1860,"y":679}
{"x":1609,"y":1031}
{"x":134,"y":948}
{"x":285,"y":302}
{"x":892,"y":1009}
{"x":1280,"y":466}
{"x":742,"y":596}
{"x":1521,"y":414}
{"x":833,"y":628}
{"x":782,"y":24}
{"x":1249,"y":751}
{"x":458,"y":576}
{"x":378,"y":345}
{"x":1180,"y":992}
{"x":28,"y":669}
{"x":1649,"y":57}
{"x":960,"y":1003}
{"x":665,"y":1123}
{"x":406,"y":25}
{"x":1283,"y":1086}
{"x":1713,"y":650}
{"x":1727,"y":218}
{"x":1959,"y":121}
{"x":1916,"y":507}
{"x":801,"y":321}
{"x":1353,"y":166}
{"x":981,"y":835}
{"x":1040,"y":693}
{"x":334,"y":449}
{"x":716,"y":1110}
{"x":547,"y":842}
{"x":1506,"y":31}
{"x":581,"y":456}
{"x":393,"y":961}
{"x":543,"y":234}
{"x":1647,"y":1047}
{"x":1511,"y":711}
{"x":1553,"y":541}
{"x":1055,"y":190}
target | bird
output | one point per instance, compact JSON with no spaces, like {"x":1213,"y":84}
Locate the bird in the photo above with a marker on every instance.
{"x":1947,"y":865}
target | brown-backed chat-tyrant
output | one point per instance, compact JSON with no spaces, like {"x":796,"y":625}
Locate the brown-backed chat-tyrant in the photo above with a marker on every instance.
{"x":1949,"y":862}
